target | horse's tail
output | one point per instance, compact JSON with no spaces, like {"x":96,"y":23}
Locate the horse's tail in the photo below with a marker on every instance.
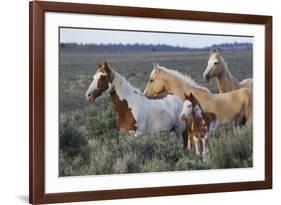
{"x":248,"y":104}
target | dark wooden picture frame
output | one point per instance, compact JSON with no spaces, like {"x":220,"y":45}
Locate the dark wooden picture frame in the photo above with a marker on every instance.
{"x":37,"y":10}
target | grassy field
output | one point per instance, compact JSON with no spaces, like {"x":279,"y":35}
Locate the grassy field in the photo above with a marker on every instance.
{"x":90,"y":143}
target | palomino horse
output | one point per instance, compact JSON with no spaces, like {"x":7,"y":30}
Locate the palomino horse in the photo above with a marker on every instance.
{"x":202,"y":123}
{"x":217,"y":67}
{"x":234,"y":105}
{"x":135,"y":111}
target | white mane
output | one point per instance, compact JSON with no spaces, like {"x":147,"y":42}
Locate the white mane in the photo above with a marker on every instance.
{"x":185,"y":78}
{"x":123,"y":87}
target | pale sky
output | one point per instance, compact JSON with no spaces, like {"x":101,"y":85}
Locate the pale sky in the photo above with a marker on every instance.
{"x":75,"y":35}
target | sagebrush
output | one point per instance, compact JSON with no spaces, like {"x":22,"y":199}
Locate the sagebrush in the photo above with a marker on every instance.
{"x":91,"y":144}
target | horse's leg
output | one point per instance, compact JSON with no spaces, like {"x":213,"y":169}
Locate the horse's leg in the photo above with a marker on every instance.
{"x":196,"y":142}
{"x":181,"y":130}
{"x":243,"y":121}
{"x":188,"y":143}
{"x":185,"y":138}
{"x":240,"y":119}
{"x":192,"y":143}
{"x":249,"y":105}
{"x":204,"y":143}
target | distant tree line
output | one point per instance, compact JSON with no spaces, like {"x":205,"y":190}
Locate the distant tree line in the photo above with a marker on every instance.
{"x":119,"y":48}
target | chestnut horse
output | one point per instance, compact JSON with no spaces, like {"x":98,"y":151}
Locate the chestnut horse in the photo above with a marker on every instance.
{"x":235,"y":105}
{"x":217,"y":67}
{"x":202,"y":123}
{"x":135,"y":111}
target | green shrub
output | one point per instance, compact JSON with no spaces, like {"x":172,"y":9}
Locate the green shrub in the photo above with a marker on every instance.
{"x":233,"y":148}
{"x":101,"y":162}
{"x":190,"y":164}
{"x":155,"y":165}
{"x":90,"y":144}
{"x":72,"y":141}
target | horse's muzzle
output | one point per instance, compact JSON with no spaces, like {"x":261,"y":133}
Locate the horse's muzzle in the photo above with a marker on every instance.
{"x":90,"y":97}
{"x":183,"y":117}
{"x":207,"y":77}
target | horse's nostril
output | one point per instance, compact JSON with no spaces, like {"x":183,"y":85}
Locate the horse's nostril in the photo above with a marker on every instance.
{"x":207,"y":77}
{"x":89,"y":95}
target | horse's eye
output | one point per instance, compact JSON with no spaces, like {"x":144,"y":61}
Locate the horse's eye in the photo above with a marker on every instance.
{"x":215,"y":63}
{"x":151,"y":80}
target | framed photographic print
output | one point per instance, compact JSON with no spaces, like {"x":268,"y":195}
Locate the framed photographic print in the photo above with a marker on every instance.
{"x":139,"y":102}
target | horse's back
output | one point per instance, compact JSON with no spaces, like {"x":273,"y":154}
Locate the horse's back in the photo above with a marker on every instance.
{"x":159,"y":114}
{"x":228,"y":106}
{"x":247,"y":83}
{"x":245,"y":92}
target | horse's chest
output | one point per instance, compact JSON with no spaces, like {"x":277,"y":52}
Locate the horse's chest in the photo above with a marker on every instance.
{"x":126,"y":121}
{"x":199,"y":126}
{"x":125,"y":118}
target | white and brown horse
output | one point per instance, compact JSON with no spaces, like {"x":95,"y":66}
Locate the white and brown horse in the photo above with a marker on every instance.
{"x":234,"y":105}
{"x":217,"y":67}
{"x":202,"y":123}
{"x":135,"y":111}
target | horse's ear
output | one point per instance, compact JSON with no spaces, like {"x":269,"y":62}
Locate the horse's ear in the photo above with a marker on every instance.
{"x":218,"y":51}
{"x":185,"y":96}
{"x":192,"y":98}
{"x":100,"y":65}
{"x":156,"y":67}
{"x":106,"y":67}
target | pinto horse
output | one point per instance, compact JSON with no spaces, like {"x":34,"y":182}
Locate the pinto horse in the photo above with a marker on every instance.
{"x":135,"y":111}
{"x":231,"y":106}
{"x":217,"y":67}
{"x":202,"y":123}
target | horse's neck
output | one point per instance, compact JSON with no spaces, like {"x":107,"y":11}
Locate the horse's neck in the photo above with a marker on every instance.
{"x":119,"y":105}
{"x":226,"y":82}
{"x":179,"y":87}
{"x":199,"y":115}
{"x":201,"y":120}
{"x":123,"y":89}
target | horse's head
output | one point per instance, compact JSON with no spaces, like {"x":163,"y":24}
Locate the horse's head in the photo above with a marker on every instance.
{"x":186,"y":108}
{"x":101,"y":80}
{"x":191,"y":106}
{"x":156,"y":82}
{"x":214,"y":67}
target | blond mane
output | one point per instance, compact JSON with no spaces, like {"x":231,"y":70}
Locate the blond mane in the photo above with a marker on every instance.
{"x":225,"y":66}
{"x":184,"y":78}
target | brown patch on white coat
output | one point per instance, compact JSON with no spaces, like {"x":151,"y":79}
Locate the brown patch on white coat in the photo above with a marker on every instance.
{"x":125,"y":118}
